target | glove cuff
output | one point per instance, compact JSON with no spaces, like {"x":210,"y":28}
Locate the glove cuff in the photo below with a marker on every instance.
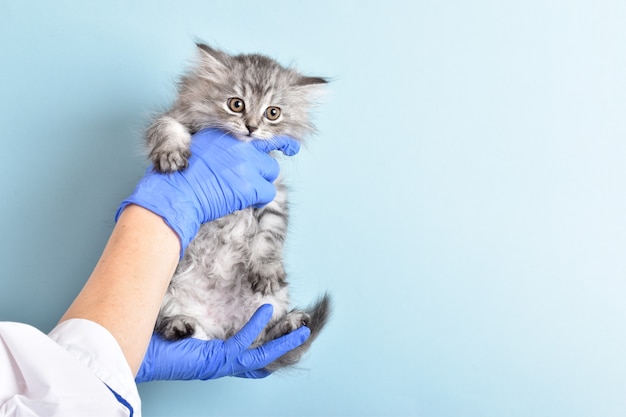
{"x":179,"y":214}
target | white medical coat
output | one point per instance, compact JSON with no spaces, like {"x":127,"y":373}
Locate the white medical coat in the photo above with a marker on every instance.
{"x":76,"y":370}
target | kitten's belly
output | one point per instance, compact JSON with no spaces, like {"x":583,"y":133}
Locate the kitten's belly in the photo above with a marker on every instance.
{"x":223,"y":309}
{"x":212,"y":283}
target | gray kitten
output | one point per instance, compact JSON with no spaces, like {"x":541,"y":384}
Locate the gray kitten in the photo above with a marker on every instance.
{"x":235,"y":263}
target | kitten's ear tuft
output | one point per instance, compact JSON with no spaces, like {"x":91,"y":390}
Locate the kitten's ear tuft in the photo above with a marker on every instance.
{"x":304,"y":80}
{"x":206,"y":48}
{"x":211,"y":56}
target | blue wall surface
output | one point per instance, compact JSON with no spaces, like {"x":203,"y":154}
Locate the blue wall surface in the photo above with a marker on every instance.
{"x":464,"y":199}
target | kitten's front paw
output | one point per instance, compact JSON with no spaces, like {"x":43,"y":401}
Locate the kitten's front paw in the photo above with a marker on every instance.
{"x":168,"y":143}
{"x":171,"y":161}
{"x":267,"y":282}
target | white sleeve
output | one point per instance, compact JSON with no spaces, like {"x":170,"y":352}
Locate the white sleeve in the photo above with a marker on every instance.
{"x":77,"y":370}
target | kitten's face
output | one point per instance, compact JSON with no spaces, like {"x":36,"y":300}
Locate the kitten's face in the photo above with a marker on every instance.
{"x":250,"y":96}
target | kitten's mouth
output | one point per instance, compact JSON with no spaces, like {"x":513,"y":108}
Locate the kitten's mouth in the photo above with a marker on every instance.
{"x":249,"y":136}
{"x":244,"y":137}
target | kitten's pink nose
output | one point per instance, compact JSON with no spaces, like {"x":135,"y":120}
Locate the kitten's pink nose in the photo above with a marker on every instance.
{"x":251,"y":129}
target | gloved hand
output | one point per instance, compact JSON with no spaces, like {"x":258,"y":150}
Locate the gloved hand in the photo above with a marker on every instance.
{"x":190,"y":359}
{"x":224,"y":175}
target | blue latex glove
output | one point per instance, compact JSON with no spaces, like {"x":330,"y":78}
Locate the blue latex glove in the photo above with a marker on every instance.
{"x":224,"y":175}
{"x":191,"y":359}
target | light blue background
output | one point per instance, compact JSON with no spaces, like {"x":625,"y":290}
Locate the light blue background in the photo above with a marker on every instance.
{"x":464,"y":200}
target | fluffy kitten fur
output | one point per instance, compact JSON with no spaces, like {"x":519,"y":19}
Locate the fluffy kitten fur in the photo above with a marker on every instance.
{"x":235,"y":263}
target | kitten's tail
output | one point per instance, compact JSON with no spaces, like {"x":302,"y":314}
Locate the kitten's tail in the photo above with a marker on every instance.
{"x":319,"y":313}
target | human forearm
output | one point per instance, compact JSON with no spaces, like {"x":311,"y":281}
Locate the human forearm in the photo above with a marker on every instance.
{"x":124,"y":291}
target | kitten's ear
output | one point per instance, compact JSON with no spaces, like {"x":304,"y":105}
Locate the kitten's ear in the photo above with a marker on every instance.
{"x":312,"y":88}
{"x":304,"y":81}
{"x":211,"y":58}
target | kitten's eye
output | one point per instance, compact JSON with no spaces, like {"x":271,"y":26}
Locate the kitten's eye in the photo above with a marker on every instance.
{"x":272,"y":112}
{"x":236,"y":104}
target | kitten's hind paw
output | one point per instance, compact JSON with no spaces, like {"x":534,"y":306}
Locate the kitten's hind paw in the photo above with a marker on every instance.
{"x":315,"y":317}
{"x":287,"y":324}
{"x":176,"y":328}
